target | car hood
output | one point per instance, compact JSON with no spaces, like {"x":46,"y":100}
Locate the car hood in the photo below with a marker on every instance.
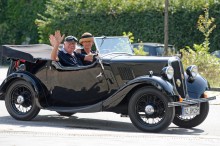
{"x":126,"y":68}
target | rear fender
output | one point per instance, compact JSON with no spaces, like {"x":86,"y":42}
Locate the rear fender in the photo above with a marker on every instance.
{"x":35,"y":83}
{"x":157,"y":82}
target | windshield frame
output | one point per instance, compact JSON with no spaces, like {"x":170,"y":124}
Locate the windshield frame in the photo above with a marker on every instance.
{"x":104,"y":38}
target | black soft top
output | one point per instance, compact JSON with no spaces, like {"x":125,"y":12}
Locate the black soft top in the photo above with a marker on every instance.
{"x":30,"y":53}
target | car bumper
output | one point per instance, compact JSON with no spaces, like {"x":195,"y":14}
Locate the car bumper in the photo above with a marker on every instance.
{"x":191,"y":101}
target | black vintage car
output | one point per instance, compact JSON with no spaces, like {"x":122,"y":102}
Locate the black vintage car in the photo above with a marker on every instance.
{"x":152,"y":91}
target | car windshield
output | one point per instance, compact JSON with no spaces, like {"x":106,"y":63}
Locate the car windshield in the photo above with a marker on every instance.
{"x":106,"y":45}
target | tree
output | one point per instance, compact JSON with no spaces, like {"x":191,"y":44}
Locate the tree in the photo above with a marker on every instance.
{"x":166,"y":27}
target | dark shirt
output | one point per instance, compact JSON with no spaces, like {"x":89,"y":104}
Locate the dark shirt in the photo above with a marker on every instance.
{"x":83,"y":54}
{"x":69,"y":60}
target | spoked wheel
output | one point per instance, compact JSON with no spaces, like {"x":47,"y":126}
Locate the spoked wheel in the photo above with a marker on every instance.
{"x":20,"y":102}
{"x":192,"y":121}
{"x":148,"y":110}
{"x":65,"y":114}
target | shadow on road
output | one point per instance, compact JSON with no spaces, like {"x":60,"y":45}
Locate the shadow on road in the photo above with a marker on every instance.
{"x":75,"y":122}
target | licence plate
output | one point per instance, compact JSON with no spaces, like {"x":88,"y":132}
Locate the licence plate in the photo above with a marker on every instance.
{"x":191,"y":110}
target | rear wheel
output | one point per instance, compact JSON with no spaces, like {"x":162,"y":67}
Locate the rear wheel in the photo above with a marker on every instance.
{"x":148,"y":110}
{"x":20,"y":101}
{"x":192,"y":121}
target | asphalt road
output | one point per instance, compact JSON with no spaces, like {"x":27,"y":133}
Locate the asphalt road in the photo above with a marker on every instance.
{"x":101,"y":128}
{"x":104,"y":128}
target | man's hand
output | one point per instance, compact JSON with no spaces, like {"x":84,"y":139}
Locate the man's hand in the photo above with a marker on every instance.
{"x":56,"y":39}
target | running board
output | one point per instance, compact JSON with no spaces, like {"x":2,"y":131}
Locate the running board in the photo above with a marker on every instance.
{"x":190,"y":101}
{"x":80,"y":109}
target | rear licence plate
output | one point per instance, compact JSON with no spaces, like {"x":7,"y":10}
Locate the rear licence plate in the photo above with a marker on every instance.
{"x":191,"y":110}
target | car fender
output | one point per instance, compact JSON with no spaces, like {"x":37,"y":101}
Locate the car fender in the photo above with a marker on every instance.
{"x":196,"y":87}
{"x":157,"y":82}
{"x":35,"y":83}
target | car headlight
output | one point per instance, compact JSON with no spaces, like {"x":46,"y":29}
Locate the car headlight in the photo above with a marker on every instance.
{"x":192,"y":71}
{"x":167,"y":72}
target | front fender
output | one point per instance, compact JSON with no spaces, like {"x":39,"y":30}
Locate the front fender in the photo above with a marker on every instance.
{"x":196,"y":87}
{"x":35,"y":83}
{"x":157,"y":82}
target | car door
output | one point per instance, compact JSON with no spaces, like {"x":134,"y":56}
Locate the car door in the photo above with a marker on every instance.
{"x":78,"y":87}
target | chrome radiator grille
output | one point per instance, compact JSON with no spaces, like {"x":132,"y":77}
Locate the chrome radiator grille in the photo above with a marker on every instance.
{"x":179,"y":79}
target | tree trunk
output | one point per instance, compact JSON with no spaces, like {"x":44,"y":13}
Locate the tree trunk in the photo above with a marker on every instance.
{"x":166,"y":27}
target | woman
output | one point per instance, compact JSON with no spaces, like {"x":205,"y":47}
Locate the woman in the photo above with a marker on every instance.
{"x":86,"y":41}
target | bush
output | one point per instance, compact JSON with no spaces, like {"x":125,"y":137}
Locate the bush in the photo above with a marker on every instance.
{"x":140,"y":51}
{"x":142,"y":17}
{"x":17,"y":21}
{"x":208,"y":65}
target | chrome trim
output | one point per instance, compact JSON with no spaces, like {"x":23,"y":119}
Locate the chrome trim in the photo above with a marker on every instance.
{"x":178,"y":82}
{"x":190,"y":101}
{"x":149,"y":109}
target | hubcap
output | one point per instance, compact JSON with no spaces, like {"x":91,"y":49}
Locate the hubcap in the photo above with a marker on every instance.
{"x":20,"y":99}
{"x":149,"y":109}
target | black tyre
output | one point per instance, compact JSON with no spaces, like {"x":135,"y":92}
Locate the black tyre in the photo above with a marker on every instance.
{"x":65,"y":114}
{"x":148,"y":110}
{"x":192,"y":121}
{"x":20,"y":101}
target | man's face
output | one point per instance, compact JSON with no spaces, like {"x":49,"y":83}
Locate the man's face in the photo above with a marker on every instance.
{"x":69,"y":47}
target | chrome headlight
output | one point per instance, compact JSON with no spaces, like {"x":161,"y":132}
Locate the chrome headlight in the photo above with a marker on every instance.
{"x":167,"y":72}
{"x":192,"y":71}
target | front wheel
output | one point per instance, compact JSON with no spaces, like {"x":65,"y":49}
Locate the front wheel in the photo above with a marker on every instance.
{"x":20,"y":101}
{"x":192,"y":121}
{"x":148,"y":110}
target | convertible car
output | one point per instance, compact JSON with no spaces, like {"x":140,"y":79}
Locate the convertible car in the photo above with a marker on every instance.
{"x":152,"y":91}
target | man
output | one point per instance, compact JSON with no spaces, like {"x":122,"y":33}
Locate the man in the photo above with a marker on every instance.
{"x":66,"y":56}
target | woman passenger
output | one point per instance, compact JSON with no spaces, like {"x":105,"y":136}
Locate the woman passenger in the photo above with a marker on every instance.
{"x":86,"y":41}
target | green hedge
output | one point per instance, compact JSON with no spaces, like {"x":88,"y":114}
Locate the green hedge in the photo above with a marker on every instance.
{"x":142,"y":17}
{"x":17,"y":21}
{"x":105,"y":17}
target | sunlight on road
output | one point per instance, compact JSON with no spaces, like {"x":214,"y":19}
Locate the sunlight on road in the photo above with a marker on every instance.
{"x":3,"y":72}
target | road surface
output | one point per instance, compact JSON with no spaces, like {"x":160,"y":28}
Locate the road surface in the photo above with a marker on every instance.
{"x":104,"y":128}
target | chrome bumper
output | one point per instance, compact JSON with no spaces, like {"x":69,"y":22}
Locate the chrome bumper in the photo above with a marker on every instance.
{"x":190,"y":101}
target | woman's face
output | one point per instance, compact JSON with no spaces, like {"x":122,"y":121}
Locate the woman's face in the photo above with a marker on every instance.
{"x":87,"y":44}
{"x":69,"y":47}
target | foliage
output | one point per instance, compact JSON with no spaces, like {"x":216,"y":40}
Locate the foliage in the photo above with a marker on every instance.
{"x":137,"y":51}
{"x":209,"y":65}
{"x":142,"y":17}
{"x":129,"y":35}
{"x":17,"y":18}
{"x":206,"y":26}
{"x":106,"y":17}
{"x":140,"y":51}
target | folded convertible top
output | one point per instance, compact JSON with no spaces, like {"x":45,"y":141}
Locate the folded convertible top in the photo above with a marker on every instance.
{"x":30,"y":53}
